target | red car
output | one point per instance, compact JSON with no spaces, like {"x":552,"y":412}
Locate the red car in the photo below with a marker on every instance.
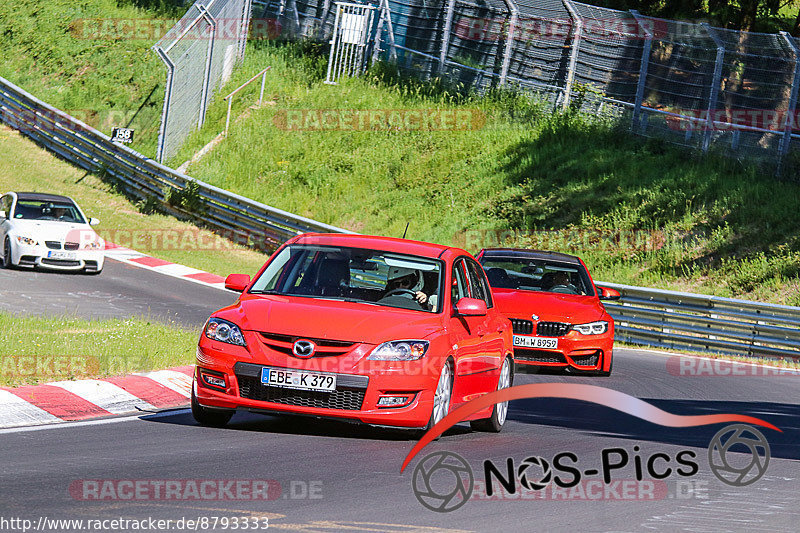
{"x":558,"y":318}
{"x":381,"y":330}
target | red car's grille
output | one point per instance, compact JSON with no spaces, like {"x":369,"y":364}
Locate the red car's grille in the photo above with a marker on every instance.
{"x":521,"y":326}
{"x":325,"y":347}
{"x":349,"y":393}
{"x":346,"y":399}
{"x":538,"y":356}
{"x":552,"y":329}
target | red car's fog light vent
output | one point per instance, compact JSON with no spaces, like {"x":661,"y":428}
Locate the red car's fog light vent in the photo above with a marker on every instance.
{"x":587,"y":359}
{"x":552,"y":329}
{"x":521,"y":326}
{"x":323,"y":347}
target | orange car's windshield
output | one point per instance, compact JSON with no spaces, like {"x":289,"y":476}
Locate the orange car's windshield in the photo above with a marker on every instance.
{"x":356,"y":275}
{"x":537,"y":275}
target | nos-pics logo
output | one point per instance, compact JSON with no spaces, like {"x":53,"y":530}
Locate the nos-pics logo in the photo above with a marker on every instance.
{"x":443,"y":481}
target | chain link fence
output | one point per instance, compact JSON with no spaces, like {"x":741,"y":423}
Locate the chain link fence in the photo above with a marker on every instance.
{"x":199,"y":52}
{"x":699,"y":86}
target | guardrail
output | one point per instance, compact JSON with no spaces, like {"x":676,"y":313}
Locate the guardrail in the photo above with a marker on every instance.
{"x":240,"y":218}
{"x":644,"y":316}
{"x":681,"y":320}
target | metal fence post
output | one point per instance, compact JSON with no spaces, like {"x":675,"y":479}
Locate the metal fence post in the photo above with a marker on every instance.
{"x":448,"y":23}
{"x":207,"y":76}
{"x":790,"y":111}
{"x":576,"y":43}
{"x":247,"y":11}
{"x":645,"y":62}
{"x":509,"y":40}
{"x":386,"y":15}
{"x":162,"y":130}
{"x":715,"y":85}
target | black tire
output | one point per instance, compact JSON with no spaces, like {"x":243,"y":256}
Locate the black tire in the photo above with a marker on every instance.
{"x":215,"y":418}
{"x":7,"y":254}
{"x":495,"y":423}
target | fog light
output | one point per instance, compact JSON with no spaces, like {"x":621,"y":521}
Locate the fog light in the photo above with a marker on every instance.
{"x":213,"y":381}
{"x":395,"y":401}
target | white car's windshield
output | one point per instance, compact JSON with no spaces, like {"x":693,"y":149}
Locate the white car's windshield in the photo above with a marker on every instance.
{"x":354,"y":274}
{"x":42,"y":210}
{"x":537,"y":275}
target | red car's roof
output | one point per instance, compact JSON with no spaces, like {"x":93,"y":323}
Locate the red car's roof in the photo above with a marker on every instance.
{"x":389,"y":244}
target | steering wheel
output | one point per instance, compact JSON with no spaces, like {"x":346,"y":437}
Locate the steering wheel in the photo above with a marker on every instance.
{"x":398,"y":292}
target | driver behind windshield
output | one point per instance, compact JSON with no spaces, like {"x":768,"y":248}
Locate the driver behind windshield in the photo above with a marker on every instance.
{"x":408,"y":280}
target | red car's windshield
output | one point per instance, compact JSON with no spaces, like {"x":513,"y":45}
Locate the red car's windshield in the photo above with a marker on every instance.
{"x":354,"y":274}
{"x":537,"y":275}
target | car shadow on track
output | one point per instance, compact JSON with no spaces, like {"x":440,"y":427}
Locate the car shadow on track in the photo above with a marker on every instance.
{"x":302,"y":425}
{"x":606,"y":422}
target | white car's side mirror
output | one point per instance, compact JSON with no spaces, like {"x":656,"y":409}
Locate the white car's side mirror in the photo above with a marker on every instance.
{"x":93,"y":221}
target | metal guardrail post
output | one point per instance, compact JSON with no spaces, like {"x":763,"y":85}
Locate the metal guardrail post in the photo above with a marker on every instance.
{"x":790,"y":111}
{"x":448,"y":24}
{"x":645,"y":62}
{"x":573,"y":58}
{"x":207,"y":76}
{"x":162,"y":130}
{"x":509,"y":40}
{"x":715,"y":85}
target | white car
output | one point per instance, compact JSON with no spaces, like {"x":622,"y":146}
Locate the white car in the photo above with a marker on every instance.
{"x":48,"y":231}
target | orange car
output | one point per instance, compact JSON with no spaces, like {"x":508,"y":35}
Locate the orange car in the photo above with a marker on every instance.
{"x":558,"y":318}
{"x":386,"y":331}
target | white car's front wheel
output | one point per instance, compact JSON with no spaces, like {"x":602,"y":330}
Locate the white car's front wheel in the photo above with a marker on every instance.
{"x":7,"y":253}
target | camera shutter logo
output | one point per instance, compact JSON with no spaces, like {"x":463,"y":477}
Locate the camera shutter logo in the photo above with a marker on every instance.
{"x":726,"y":463}
{"x":304,"y":348}
{"x":443,"y":481}
{"x":544,"y":480}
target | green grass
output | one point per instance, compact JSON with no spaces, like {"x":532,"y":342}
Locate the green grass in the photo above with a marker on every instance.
{"x":80,"y":56}
{"x":529,"y":177}
{"x":60,"y":348}
{"x":26,"y":167}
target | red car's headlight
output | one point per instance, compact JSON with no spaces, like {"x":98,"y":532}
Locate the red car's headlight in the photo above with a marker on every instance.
{"x":224,"y":331}
{"x":399,"y":351}
{"x":592,"y":328}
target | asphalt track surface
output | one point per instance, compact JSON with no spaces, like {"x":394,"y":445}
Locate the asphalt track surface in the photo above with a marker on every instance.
{"x":337,"y":476}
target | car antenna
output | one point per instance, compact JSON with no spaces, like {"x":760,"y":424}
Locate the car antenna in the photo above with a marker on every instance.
{"x":406,"y":231}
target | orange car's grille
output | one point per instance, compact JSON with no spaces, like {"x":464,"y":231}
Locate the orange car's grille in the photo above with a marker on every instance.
{"x":538,"y":356}
{"x":345,"y":399}
{"x":325,"y":347}
{"x":552,"y":329}
{"x":521,"y":326}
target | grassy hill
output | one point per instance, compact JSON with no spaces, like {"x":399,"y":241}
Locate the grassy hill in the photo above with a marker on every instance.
{"x":88,"y":58}
{"x":639,"y":212}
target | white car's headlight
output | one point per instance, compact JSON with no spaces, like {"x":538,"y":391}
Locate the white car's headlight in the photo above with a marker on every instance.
{"x":224,"y":331}
{"x":27,"y":240}
{"x":592,"y":328}
{"x":399,"y":351}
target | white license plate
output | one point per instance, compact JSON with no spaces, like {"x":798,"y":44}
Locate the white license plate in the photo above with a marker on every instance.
{"x":548,"y":343}
{"x":71,"y":256}
{"x":295,"y":379}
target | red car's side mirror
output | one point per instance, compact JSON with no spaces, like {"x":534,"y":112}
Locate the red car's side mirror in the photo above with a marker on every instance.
{"x":609,"y":294}
{"x":471,"y":307}
{"x":237,"y":282}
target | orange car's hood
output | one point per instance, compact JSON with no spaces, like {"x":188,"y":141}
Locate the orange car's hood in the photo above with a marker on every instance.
{"x":548,"y":306}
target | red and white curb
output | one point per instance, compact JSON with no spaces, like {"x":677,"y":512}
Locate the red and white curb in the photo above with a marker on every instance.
{"x":69,"y":401}
{"x":132,"y":257}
